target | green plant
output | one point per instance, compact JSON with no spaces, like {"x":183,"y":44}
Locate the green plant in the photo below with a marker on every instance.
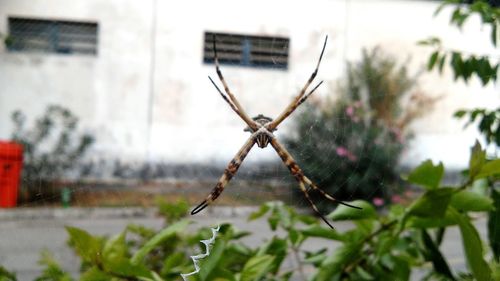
{"x":351,"y":145}
{"x":52,"y":148}
{"x":172,"y":211}
{"x":464,"y":65}
{"x":6,"y":40}
{"x":6,"y":275}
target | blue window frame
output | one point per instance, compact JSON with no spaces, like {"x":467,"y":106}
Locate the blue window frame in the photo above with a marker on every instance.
{"x":249,"y":51}
{"x":52,"y":36}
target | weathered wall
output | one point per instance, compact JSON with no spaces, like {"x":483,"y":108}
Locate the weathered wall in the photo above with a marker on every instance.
{"x":142,"y":59}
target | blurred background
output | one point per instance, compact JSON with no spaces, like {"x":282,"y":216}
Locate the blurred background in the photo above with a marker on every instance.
{"x":119,"y":89}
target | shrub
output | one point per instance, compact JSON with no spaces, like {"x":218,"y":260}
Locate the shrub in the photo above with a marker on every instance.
{"x":351,"y":145}
{"x":52,"y":149}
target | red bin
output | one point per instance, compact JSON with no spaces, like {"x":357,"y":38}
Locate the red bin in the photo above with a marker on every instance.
{"x":11,"y":163}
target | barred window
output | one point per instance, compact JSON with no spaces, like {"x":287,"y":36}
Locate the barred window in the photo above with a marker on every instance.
{"x":244,"y":50}
{"x":52,"y":36}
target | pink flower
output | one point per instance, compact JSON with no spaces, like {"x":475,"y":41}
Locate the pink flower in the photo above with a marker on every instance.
{"x":396,"y":198}
{"x":351,"y":156}
{"x":344,"y":152}
{"x":349,"y":111}
{"x":341,"y":151}
{"x":377,"y":201}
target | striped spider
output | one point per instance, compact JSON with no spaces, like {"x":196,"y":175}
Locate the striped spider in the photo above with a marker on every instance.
{"x":261,"y":129}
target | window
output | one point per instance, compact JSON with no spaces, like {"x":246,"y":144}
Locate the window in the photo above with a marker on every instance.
{"x":253,"y":51}
{"x":52,"y":36}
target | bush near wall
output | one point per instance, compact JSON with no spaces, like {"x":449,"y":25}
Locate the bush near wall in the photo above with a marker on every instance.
{"x":351,"y":144}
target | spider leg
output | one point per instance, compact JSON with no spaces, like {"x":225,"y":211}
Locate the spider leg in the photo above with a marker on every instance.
{"x":304,"y":190}
{"x":298,"y":174}
{"x":229,"y":172}
{"x":304,"y":98}
{"x":297,"y":101}
{"x":225,"y":97}
{"x":326,"y":195}
{"x":252,"y":124}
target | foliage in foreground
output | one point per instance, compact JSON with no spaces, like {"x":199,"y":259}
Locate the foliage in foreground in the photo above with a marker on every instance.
{"x":377,"y":247}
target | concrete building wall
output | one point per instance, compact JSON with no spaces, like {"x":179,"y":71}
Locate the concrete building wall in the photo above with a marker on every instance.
{"x":150,"y":67}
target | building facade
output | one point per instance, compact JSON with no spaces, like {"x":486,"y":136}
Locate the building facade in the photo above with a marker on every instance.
{"x":138,"y":82}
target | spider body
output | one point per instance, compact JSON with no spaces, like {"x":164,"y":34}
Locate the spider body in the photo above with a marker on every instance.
{"x":263,"y":136}
{"x":262,"y":128}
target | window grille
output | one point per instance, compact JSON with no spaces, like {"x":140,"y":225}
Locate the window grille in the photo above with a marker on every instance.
{"x":52,"y":36}
{"x":243,"y":50}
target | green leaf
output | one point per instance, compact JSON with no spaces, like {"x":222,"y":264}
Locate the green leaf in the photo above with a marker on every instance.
{"x":469,"y":201}
{"x":384,"y":244}
{"x":432,"y":203}
{"x":333,"y":264}
{"x":494,"y":225}
{"x":319,"y":231}
{"x":432,"y":254}
{"x":401,"y":269}
{"x":432,"y":60}
{"x":489,"y":169}
{"x":477,"y":160}
{"x":154,"y":277}
{"x":115,"y":247}
{"x":158,"y":239}
{"x":274,"y":219}
{"x":460,"y":113}
{"x":494,"y":34}
{"x":115,"y":259}
{"x":285,"y":217}
{"x":432,"y":41}
{"x":276,"y":247}
{"x":87,"y":246}
{"x":95,"y":274}
{"x":172,"y":262}
{"x":364,"y":274}
{"x":5,"y":275}
{"x":209,"y":264}
{"x":343,"y":212}
{"x":430,"y":222}
{"x":52,"y":270}
{"x":123,"y":267}
{"x":256,"y":267}
{"x":441,"y":63}
{"x":427,"y":174}
{"x":440,"y":8}
{"x":457,"y":64}
{"x":295,"y":236}
{"x":222,"y":274}
{"x":473,"y":248}
{"x":316,"y":257}
{"x":264,"y":208}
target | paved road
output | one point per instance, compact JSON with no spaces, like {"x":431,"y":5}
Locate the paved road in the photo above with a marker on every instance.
{"x":23,"y":234}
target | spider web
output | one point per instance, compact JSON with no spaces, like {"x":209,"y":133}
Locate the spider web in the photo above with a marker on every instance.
{"x":262,"y":176}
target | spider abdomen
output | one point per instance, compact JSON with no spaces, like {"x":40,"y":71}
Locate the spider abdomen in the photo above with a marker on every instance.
{"x":262,"y":140}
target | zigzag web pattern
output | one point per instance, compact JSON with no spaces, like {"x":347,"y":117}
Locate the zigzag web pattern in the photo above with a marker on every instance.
{"x":207,"y":243}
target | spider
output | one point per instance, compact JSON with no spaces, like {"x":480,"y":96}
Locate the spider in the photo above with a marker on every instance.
{"x":261,"y":129}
